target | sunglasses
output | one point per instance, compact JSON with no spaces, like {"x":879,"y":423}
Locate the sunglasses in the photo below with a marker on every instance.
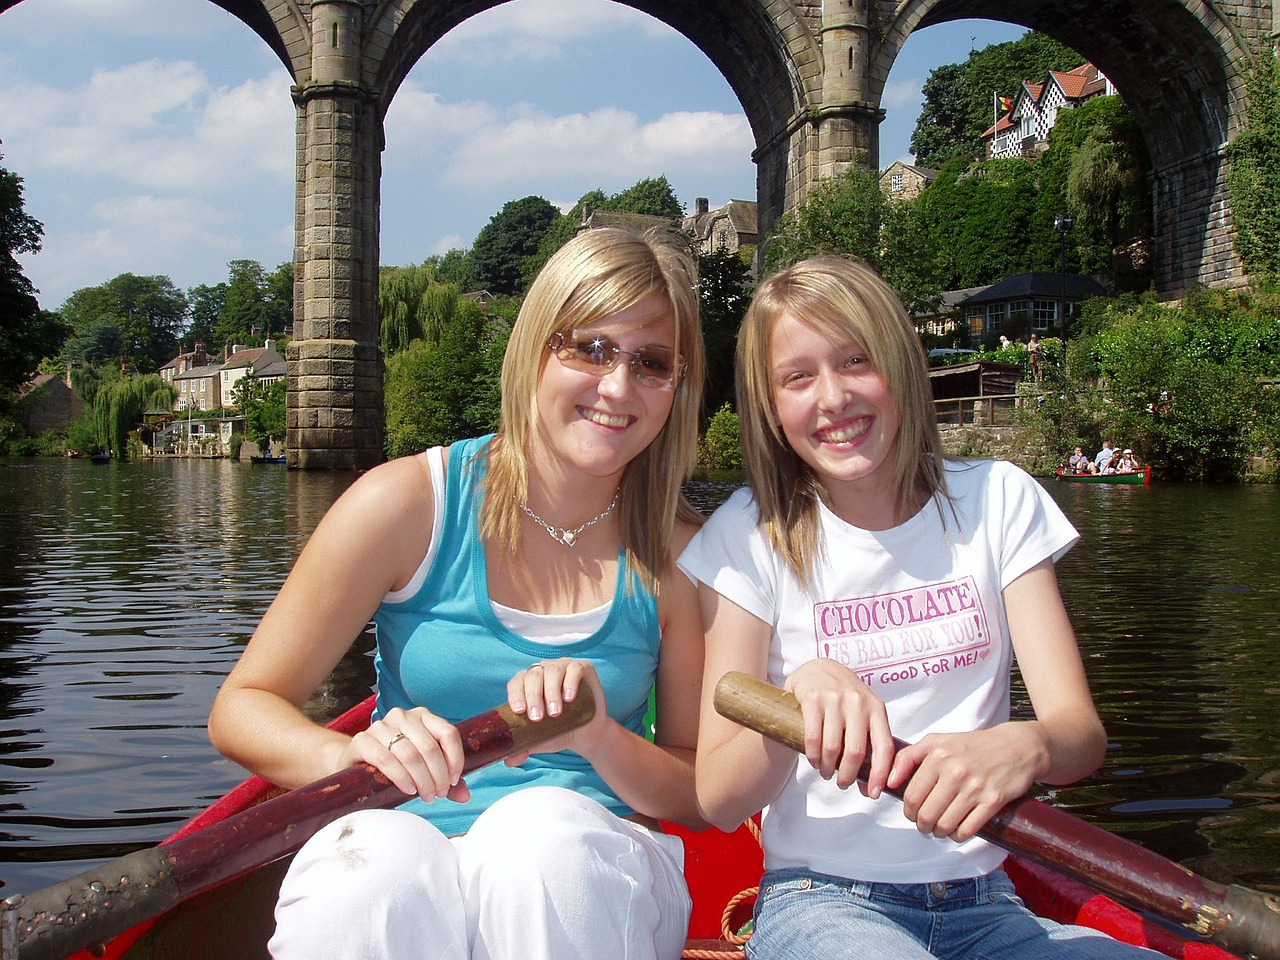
{"x":591,"y":353}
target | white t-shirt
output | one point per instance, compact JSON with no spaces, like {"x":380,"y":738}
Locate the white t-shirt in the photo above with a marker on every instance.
{"x":917,"y":612}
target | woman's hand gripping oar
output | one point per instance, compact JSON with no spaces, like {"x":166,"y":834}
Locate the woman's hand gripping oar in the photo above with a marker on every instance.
{"x":1235,"y":917}
{"x":107,"y":900}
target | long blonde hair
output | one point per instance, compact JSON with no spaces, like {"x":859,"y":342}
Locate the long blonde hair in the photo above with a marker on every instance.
{"x":845,"y":301}
{"x":596,"y":275}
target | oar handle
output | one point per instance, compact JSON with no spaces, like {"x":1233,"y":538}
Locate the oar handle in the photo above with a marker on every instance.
{"x":106,"y":900}
{"x":1236,"y":917}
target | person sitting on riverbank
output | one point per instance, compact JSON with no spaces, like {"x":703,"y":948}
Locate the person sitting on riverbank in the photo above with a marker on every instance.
{"x":516,"y":568}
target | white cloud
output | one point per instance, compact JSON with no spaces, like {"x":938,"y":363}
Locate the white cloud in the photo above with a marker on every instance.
{"x":420,"y":124}
{"x":542,"y":29}
{"x":903,"y":93}
{"x":609,"y":146}
{"x":143,"y":234}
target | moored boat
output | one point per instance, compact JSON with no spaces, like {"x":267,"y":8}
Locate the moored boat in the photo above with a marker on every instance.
{"x":263,"y":460}
{"x":1136,"y":477}
{"x":234,"y":919}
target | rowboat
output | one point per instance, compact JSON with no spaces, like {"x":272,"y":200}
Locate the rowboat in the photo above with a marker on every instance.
{"x":234,"y":918}
{"x":1136,"y":477}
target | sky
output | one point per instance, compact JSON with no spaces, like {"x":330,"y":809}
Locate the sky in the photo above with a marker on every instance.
{"x":156,"y":137}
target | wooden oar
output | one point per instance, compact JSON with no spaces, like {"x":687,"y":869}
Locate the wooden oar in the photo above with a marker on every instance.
{"x":1240,"y":919}
{"x":105,"y":901}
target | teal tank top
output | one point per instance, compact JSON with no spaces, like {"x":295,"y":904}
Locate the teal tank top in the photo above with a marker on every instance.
{"x":443,"y":648}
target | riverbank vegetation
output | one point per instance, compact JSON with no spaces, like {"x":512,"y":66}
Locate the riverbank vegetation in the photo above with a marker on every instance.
{"x":1192,"y":384}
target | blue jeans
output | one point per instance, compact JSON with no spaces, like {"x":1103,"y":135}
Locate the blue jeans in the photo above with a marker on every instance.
{"x":801,"y":915}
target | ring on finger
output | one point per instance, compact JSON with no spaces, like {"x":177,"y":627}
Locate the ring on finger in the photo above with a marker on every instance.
{"x":394,"y":740}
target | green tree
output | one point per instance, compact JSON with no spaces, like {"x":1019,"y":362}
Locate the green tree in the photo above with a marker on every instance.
{"x":505,"y":244}
{"x":244,"y":313}
{"x":119,"y":405}
{"x":842,"y":216}
{"x":907,"y":261}
{"x":27,"y":333}
{"x":99,"y":341}
{"x":850,"y":217}
{"x":1097,"y":171}
{"x":206,"y":305}
{"x":444,"y":390}
{"x":721,"y":446}
{"x":979,"y":221}
{"x":150,"y":311}
{"x":454,"y":267}
{"x":278,"y":294}
{"x":652,"y":197}
{"x":724,"y":292}
{"x":264,"y":410}
{"x":1184,"y":385}
{"x":414,"y":305}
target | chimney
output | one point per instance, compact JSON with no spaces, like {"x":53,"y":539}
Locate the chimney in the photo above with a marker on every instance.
{"x":700,"y":206}
{"x":269,"y":344}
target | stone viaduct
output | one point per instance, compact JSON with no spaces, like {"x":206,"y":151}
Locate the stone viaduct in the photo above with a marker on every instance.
{"x":809,"y":74}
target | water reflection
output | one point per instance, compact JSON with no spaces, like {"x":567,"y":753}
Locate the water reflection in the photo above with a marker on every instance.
{"x":130,"y":589}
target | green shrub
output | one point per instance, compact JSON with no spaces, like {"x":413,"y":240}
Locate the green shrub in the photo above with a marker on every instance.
{"x":721,"y":447}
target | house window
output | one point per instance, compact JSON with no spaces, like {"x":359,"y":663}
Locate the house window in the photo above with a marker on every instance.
{"x":995,"y":315}
{"x":975,"y":326}
{"x":1043,"y":314}
{"x":895,"y":183}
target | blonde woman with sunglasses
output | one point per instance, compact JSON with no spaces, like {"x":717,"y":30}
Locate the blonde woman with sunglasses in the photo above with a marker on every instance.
{"x":521,"y":566}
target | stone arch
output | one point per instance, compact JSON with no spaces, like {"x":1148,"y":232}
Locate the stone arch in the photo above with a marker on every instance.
{"x":1180,"y":68}
{"x":809,"y":74}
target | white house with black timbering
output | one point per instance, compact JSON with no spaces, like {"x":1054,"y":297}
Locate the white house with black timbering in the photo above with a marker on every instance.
{"x":1024,"y":131}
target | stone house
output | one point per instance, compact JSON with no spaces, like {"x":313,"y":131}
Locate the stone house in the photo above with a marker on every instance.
{"x":183,"y":362}
{"x":242,"y":362}
{"x":47,"y":402}
{"x":727,"y":229}
{"x":904,"y":181}
{"x":197,"y":388}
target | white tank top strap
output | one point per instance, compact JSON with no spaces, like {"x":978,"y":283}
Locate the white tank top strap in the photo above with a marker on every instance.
{"x":435,"y":469}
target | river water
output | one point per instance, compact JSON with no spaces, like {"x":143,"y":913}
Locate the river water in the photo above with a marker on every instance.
{"x":128,"y":590}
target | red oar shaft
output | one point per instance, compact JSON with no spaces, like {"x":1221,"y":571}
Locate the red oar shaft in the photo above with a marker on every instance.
{"x":1236,"y":917}
{"x":104,"y":901}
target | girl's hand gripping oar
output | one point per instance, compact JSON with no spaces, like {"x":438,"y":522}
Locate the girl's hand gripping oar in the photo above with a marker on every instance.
{"x":1236,"y":917}
{"x":107,"y":900}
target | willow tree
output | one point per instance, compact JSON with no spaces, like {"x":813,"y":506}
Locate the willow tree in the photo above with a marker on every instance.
{"x":119,"y":406}
{"x":414,"y":305}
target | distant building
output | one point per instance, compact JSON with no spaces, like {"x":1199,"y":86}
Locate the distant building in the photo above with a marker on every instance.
{"x":255,"y":362}
{"x":946,"y":319}
{"x":197,"y":388}
{"x":638,"y":222}
{"x":1026,"y":302}
{"x":47,"y":402}
{"x":726,"y":229}
{"x":183,"y":362}
{"x":1023,"y":131}
{"x":903,"y":181}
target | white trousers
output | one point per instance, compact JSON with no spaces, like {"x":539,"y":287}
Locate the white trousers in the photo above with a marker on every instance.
{"x":544,"y":874}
